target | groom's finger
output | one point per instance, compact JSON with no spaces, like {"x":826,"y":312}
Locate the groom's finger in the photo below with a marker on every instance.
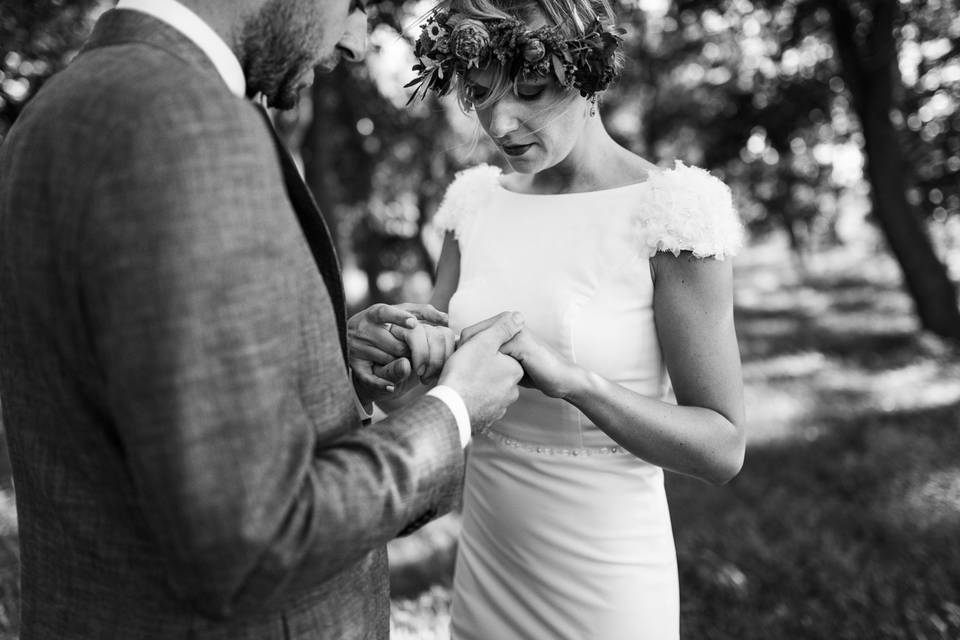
{"x":508,"y":325}
{"x":377,"y":336}
{"x":364,"y":374}
{"x":390,"y":314}
{"x":363,"y":351}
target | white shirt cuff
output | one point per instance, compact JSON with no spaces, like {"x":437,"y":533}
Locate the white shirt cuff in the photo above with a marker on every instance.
{"x":452,"y":399}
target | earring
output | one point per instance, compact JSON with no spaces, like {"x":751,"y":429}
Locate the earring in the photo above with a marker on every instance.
{"x":593,"y":106}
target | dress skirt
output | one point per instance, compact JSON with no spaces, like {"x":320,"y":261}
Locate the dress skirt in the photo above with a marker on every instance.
{"x":563,"y":544}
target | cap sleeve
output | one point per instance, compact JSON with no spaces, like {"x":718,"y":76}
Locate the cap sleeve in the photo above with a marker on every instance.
{"x":469,"y":192}
{"x":689,"y":210}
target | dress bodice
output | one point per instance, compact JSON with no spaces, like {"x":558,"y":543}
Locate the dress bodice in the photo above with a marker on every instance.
{"x":577,"y":266}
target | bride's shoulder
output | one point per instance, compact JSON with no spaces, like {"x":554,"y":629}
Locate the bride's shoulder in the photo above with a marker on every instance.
{"x":688,"y":209}
{"x":466,"y":195}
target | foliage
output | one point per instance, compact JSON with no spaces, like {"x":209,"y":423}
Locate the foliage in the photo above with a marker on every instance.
{"x":753,"y":88}
{"x":37,"y":39}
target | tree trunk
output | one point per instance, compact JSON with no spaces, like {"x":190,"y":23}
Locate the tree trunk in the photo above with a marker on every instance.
{"x":870,"y":71}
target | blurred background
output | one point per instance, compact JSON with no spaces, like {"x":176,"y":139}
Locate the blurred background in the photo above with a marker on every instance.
{"x":835,"y":123}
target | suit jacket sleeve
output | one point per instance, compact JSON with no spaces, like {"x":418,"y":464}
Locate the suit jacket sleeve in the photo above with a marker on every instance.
{"x":193,"y":273}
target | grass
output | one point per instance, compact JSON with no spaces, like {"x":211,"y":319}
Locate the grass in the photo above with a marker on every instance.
{"x":846,"y":518}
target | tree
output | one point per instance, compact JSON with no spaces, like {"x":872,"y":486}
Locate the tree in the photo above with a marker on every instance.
{"x":866,"y":41}
{"x":754,"y":87}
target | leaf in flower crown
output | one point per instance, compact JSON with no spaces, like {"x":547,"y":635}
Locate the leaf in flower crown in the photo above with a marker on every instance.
{"x":558,"y":70}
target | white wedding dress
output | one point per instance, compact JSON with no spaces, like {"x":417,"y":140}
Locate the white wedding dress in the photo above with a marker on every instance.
{"x":566,"y":535}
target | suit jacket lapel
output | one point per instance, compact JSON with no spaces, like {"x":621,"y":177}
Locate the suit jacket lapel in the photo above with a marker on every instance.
{"x":316,"y":231}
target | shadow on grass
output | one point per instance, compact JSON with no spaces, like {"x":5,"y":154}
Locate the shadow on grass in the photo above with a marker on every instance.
{"x":851,"y":535}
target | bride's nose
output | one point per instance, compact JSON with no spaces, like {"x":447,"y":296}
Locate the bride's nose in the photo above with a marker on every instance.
{"x":504,"y":116}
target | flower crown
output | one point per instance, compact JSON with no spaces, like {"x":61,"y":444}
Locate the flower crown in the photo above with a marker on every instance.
{"x":451,"y":44}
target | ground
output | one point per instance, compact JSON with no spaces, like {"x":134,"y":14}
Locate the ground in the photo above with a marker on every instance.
{"x":844,"y":521}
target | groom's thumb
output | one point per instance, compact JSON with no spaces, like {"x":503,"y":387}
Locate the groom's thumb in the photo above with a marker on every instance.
{"x":508,"y":324}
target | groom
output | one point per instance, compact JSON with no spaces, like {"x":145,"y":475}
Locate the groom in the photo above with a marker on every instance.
{"x":187,"y":448}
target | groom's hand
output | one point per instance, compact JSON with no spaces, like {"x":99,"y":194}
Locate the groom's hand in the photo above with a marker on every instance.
{"x":484,"y":377}
{"x":380,"y":360}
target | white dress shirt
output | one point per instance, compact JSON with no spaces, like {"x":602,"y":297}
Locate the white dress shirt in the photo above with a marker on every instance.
{"x":200,"y":33}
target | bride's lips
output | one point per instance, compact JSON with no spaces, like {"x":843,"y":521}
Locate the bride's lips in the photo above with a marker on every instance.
{"x":515,"y":149}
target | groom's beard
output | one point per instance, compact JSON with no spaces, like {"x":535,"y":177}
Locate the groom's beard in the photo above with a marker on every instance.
{"x":279,"y":45}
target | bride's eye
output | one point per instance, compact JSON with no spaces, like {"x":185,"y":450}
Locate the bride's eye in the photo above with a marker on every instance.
{"x":530,"y":92}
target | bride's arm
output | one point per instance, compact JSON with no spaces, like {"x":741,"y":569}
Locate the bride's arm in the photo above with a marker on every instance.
{"x":448,"y":273}
{"x":702,"y":436}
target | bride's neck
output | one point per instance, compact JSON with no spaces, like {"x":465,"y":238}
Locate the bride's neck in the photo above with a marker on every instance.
{"x":594,"y":163}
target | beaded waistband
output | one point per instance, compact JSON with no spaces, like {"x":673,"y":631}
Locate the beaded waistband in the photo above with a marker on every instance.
{"x":541,"y":449}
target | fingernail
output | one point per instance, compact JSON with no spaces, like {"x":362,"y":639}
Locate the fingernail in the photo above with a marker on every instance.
{"x":410,"y":322}
{"x":390,"y":388}
{"x":421,"y":370}
{"x":517,"y":317}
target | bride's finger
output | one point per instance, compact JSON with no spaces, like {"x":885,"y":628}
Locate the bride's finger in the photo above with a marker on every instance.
{"x":426,"y":313}
{"x":437,"y":341}
{"x":394,"y":372}
{"x":418,"y":345}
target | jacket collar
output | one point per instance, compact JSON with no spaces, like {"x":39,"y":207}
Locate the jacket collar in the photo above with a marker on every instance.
{"x":122,"y":26}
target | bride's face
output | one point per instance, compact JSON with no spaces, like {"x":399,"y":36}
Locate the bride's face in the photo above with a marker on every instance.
{"x":536,"y":126}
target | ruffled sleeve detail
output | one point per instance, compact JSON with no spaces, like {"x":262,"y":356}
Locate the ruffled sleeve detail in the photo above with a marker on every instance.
{"x":687,"y":209}
{"x":468,"y":194}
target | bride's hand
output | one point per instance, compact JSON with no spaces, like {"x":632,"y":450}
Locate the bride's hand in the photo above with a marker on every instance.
{"x":379,"y":351}
{"x":543,"y":367}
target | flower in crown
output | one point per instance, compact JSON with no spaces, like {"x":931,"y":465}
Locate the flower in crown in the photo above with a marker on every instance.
{"x":450,"y":45}
{"x":435,"y":31}
{"x":534,"y":51}
{"x":469,"y":42}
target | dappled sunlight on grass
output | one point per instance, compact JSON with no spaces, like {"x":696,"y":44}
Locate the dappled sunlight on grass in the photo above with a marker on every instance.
{"x":931,"y":501}
{"x":426,"y":617}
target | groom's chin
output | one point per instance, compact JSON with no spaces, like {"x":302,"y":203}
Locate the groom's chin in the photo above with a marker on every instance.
{"x":287,"y":95}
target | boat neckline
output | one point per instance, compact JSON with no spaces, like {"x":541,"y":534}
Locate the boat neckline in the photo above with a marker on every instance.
{"x":622,"y":187}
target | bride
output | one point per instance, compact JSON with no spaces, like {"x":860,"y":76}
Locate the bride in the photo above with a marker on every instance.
{"x":619,"y":271}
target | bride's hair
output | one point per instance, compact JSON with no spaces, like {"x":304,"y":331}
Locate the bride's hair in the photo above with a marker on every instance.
{"x":574,"y":17}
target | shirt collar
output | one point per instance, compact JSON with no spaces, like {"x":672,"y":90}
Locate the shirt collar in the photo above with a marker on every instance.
{"x":200,"y":33}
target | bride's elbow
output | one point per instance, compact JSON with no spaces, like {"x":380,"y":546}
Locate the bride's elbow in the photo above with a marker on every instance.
{"x":728,"y":469}
{"x":727,"y":465}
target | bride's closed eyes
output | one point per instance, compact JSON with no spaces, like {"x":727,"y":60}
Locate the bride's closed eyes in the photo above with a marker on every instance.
{"x":527,"y":92}
{"x":530,"y":92}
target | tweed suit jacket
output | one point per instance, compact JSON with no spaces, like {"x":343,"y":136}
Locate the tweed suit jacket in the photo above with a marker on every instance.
{"x":187,"y":455}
